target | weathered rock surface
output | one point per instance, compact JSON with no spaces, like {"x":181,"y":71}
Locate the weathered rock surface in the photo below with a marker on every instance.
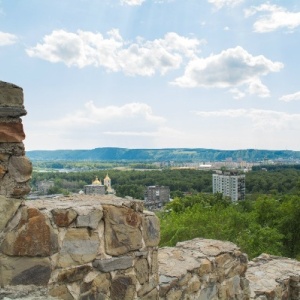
{"x":10,"y":95}
{"x":25,"y":270}
{"x":202,"y":269}
{"x":33,"y":236}
{"x":11,"y":132}
{"x":8,"y":208}
{"x":122,"y":230}
{"x":273,"y":277}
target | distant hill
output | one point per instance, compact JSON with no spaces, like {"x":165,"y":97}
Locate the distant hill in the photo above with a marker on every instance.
{"x":176,"y":154}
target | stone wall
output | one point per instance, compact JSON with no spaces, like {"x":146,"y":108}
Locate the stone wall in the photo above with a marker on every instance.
{"x":203,"y":269}
{"x":15,"y":168}
{"x":82,"y":247}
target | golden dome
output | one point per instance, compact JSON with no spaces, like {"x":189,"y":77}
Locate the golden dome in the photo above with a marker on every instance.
{"x":106,"y":177}
{"x":96,"y":181}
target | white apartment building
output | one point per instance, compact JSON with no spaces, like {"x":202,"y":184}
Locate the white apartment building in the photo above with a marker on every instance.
{"x":230,"y":185}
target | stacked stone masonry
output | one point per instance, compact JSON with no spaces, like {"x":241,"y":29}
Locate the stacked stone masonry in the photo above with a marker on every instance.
{"x":82,"y":247}
{"x":15,"y":168}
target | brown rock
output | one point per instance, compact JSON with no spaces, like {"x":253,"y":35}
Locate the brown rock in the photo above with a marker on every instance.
{"x":3,"y":170}
{"x":25,"y":270}
{"x":32,"y":237}
{"x":11,"y":132}
{"x":8,"y":208}
{"x":123,"y":287}
{"x":73,"y":274}
{"x":122,"y":230}
{"x":142,"y":270}
{"x":80,"y":246}
{"x":101,"y":284}
{"x":63,"y":217}
{"x":10,"y":94}
{"x":4,"y":157}
{"x":20,"y":168}
{"x":61,"y":292}
{"x":20,"y":191}
{"x":153,"y":295}
{"x":151,"y":231}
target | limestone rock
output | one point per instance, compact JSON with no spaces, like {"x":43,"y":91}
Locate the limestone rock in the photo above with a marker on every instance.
{"x":80,"y":246}
{"x":113,"y":264}
{"x":89,"y":217}
{"x":142,"y":270}
{"x":151,"y":231}
{"x":8,"y":208}
{"x":10,"y":94}
{"x":63,"y":217}
{"x":122,"y":230}
{"x":60,"y":292}
{"x":20,"y":168}
{"x":25,"y":270}
{"x":33,"y":236}
{"x":11,"y":132}
{"x":273,"y":277}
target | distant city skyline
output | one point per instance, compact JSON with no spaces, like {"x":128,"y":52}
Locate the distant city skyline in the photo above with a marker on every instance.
{"x":220,"y":74}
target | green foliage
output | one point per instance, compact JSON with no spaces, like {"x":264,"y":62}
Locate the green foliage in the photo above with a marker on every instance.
{"x":269,"y":224}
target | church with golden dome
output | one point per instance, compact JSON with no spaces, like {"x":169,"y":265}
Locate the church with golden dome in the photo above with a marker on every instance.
{"x":97,"y":188}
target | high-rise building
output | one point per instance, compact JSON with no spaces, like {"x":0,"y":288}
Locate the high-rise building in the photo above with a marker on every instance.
{"x":230,"y":184}
{"x":156,"y":196}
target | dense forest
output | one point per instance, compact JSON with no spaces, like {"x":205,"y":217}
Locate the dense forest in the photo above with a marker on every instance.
{"x":270,"y":224}
{"x":280,"y":180}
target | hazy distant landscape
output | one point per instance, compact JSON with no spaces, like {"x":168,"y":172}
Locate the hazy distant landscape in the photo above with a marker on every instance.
{"x":172,"y":154}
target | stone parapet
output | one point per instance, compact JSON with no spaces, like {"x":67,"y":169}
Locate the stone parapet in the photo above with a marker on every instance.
{"x":202,"y":269}
{"x":274,"y":278}
{"x":15,"y":168}
{"x":82,"y":247}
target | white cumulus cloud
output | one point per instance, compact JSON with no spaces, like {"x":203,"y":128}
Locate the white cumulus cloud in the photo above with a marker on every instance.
{"x":113,"y":53}
{"x":290,"y":97}
{"x":7,"y":39}
{"x":221,"y":3}
{"x":232,"y":68}
{"x":273,"y":17}
{"x":132,"y":2}
{"x":266,"y":120}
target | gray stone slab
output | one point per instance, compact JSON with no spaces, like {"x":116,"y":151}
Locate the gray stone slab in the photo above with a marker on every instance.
{"x":112,"y":264}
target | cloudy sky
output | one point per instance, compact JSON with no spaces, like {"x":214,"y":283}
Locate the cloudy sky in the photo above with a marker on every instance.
{"x":221,"y":74}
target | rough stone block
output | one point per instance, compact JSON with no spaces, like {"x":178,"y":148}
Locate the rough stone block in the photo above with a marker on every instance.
{"x":89,"y":218}
{"x":11,"y":132}
{"x":122,"y":230}
{"x":142,"y":270}
{"x":20,"y":168}
{"x":63,"y":217}
{"x":73,"y":274}
{"x":123,"y":287}
{"x":151,"y":231}
{"x":8,"y":208}
{"x":33,"y":236}
{"x":113,"y":264}
{"x":25,"y":270}
{"x":12,"y":112}
{"x":10,"y":94}
{"x":80,"y":246}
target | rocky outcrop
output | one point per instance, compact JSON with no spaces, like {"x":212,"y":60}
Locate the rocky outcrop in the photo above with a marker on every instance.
{"x":274,"y":278}
{"x":202,"y":269}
